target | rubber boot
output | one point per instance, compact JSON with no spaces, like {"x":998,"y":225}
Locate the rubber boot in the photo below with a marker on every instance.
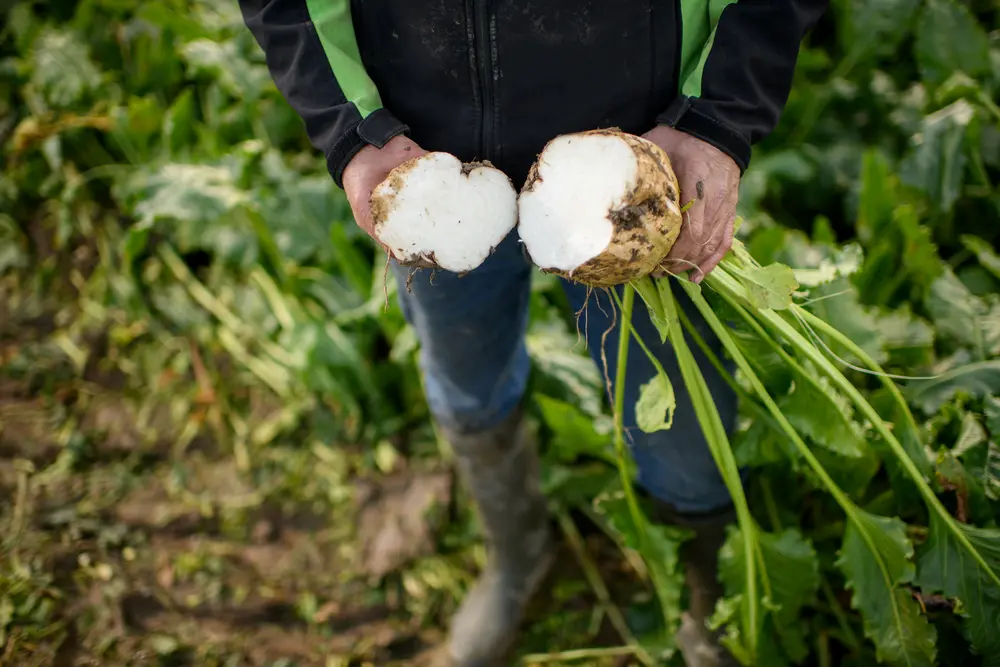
{"x":699,"y":556}
{"x":500,"y":470}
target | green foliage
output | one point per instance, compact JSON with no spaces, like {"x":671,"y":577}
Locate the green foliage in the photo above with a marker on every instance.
{"x":654,"y":411}
{"x":158,"y":190}
{"x":876,"y":559}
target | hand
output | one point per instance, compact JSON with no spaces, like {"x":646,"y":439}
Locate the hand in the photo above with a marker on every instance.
{"x":367,"y":169}
{"x":710,"y":179}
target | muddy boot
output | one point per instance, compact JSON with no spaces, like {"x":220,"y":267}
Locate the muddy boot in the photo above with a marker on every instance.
{"x":700,"y":558}
{"x":500,"y":470}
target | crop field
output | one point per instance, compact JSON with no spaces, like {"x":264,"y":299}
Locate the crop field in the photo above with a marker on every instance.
{"x":215,"y":448}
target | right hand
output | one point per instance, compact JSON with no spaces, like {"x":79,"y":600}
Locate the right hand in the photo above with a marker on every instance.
{"x":367,"y":169}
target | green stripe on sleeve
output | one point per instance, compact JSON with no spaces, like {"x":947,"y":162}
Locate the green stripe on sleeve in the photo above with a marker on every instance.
{"x":699,"y":19}
{"x":332,"y":19}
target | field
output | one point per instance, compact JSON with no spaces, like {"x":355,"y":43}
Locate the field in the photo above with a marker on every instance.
{"x":214,"y":447}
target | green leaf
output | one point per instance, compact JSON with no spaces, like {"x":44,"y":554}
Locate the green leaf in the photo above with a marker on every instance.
{"x":846,"y":262}
{"x":301,"y":217}
{"x":878,"y":26}
{"x":564,"y":371}
{"x":222,"y":61}
{"x":654,"y":410}
{"x":767,"y":364}
{"x":877,"y":200}
{"x":179,"y":122}
{"x":575,"y":434}
{"x":977,"y":380}
{"x":937,"y":159}
{"x":875,"y":559}
{"x":770,"y":286}
{"x":183,"y":25}
{"x":971,"y":434}
{"x":664,"y":542}
{"x":992,"y":412}
{"x":791,"y":572}
{"x":837,"y":303}
{"x":825,"y":416}
{"x":62,"y":70}
{"x":968,"y":489}
{"x":916,"y":247}
{"x":649,"y":292}
{"x":983,"y":251}
{"x":981,"y":454}
{"x":949,"y":38}
{"x":190,"y":192}
{"x":760,"y":445}
{"x":13,"y":246}
{"x":963,"y":318}
{"x":946,"y":567}
{"x":957,"y":86}
{"x":901,"y":329}
{"x":990,"y":475}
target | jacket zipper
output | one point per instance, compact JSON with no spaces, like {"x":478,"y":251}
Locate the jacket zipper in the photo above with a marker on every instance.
{"x":484,"y":66}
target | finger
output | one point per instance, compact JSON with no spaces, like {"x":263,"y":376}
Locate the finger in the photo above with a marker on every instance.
{"x":688,"y":238}
{"x":705,"y":267}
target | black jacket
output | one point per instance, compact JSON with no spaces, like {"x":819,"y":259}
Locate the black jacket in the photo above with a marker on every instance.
{"x":496,"y":79}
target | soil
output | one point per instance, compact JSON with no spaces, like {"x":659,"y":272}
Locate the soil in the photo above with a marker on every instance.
{"x":120,"y":547}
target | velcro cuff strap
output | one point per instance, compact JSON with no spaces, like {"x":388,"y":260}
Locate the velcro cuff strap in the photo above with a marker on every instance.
{"x":683,"y":115}
{"x":376,"y":130}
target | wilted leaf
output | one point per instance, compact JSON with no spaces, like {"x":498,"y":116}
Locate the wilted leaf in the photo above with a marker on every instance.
{"x":654,"y":411}
{"x":875,"y":559}
{"x":945,"y":566}
{"x":949,"y":38}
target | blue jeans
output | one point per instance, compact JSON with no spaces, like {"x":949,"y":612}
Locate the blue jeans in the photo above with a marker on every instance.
{"x":476,"y":367}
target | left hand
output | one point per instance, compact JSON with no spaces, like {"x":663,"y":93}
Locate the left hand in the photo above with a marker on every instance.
{"x":710,"y":179}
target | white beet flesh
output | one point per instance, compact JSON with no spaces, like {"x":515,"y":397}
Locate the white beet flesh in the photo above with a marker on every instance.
{"x":446,"y":213}
{"x":600,"y":208}
{"x":565,"y":220}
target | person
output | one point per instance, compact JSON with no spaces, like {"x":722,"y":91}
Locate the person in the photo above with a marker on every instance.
{"x":378,"y":82}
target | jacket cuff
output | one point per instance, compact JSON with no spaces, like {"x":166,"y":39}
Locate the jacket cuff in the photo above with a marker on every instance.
{"x":376,"y":130}
{"x":683,"y":114}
